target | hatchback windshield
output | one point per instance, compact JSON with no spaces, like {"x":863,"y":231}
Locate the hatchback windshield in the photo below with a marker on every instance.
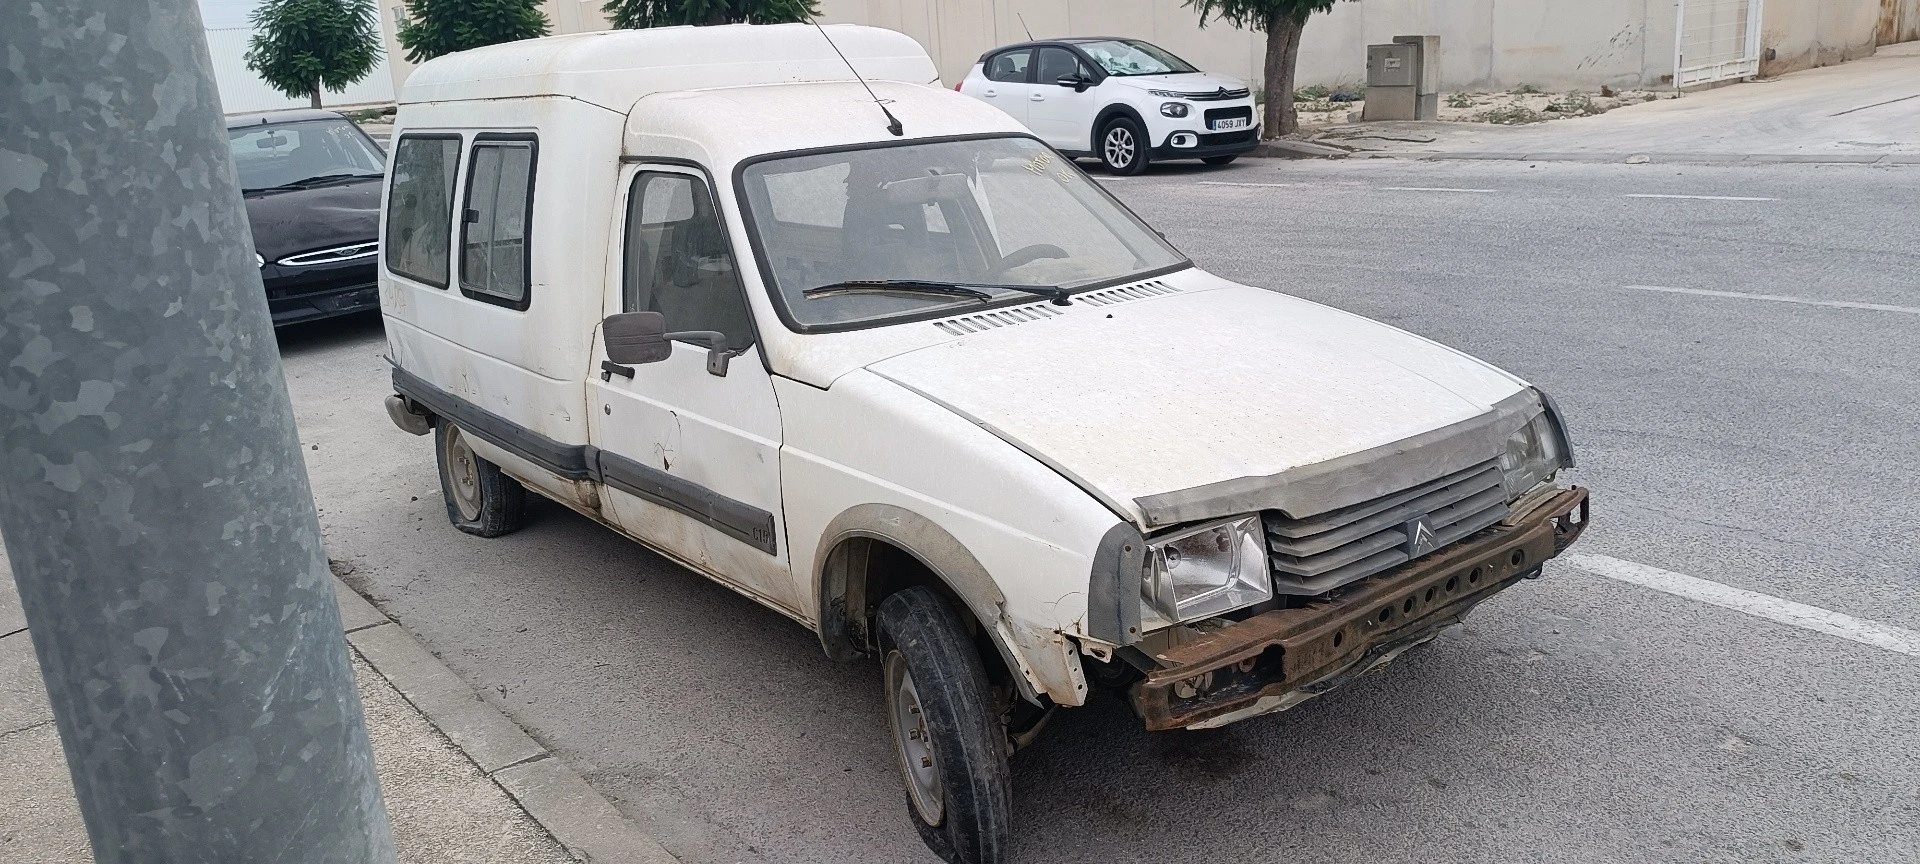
{"x":306,"y":152}
{"x":942,"y":226}
{"x":1130,"y":57}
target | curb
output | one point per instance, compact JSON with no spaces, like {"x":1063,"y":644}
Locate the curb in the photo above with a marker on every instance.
{"x":582,"y":820}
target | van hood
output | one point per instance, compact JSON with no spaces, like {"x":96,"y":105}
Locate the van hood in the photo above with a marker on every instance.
{"x":1184,"y":82}
{"x":1215,"y":401}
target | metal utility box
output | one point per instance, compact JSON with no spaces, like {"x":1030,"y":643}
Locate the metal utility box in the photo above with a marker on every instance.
{"x":1403,"y":79}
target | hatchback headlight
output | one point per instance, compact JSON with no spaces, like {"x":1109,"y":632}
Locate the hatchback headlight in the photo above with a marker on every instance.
{"x":1533,"y":453}
{"x":1205,"y":571}
{"x":1174,"y":109}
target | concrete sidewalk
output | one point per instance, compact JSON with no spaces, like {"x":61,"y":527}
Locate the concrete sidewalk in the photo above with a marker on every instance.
{"x":1863,"y":112}
{"x":463,"y":784}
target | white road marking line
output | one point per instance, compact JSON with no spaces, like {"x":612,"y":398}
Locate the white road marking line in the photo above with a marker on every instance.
{"x":1431,"y":189}
{"x":1896,"y":639}
{"x":1780,"y":298}
{"x":1232,"y":183}
{"x":1704,"y":197}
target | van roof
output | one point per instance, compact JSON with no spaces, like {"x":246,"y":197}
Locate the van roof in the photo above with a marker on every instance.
{"x":614,"y":68}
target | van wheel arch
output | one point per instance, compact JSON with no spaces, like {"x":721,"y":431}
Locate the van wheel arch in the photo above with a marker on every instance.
{"x":876,"y":550}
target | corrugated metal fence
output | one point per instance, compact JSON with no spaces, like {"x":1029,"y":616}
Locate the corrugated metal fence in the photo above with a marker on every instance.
{"x":241,"y":90}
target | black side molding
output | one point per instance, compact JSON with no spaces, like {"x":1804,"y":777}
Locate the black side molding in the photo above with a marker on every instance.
{"x":739,"y":520}
{"x":743,"y":522}
{"x":565,"y":460}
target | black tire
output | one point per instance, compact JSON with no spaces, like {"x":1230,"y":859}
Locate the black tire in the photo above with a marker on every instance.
{"x":480,"y":500}
{"x":961,"y":750}
{"x":1219,"y":160}
{"x":1122,"y":146}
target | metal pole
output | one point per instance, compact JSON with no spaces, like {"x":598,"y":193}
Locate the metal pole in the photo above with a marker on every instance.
{"x":155,"y":506}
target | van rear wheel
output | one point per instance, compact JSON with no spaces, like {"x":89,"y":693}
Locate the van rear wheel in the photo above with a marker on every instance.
{"x":946,"y":730}
{"x":480,"y":499}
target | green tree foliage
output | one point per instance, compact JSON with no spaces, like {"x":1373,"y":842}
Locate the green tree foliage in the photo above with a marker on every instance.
{"x":301,"y":46}
{"x":1282,"y":21}
{"x":436,"y":27}
{"x":639,"y":14}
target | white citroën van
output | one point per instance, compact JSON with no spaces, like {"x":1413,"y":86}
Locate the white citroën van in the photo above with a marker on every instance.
{"x":889,"y":365}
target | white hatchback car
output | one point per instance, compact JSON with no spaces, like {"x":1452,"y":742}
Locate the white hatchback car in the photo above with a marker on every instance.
{"x":1123,"y":101}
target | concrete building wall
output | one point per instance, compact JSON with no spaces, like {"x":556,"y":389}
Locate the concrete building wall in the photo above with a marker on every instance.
{"x":1807,"y":33}
{"x":1485,"y":44}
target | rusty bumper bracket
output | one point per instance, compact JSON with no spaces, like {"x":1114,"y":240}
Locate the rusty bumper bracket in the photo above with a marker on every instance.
{"x":1277,"y":659}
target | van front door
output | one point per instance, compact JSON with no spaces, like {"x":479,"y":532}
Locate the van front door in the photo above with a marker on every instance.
{"x":689,"y":446}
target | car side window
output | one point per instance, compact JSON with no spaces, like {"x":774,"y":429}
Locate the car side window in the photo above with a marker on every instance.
{"x":1011,"y":66}
{"x":494,"y":264}
{"x":678,"y":262}
{"x":420,"y":207}
{"x":1058,"y":63}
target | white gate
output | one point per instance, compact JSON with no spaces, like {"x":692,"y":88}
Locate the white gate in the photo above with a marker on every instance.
{"x":1716,"y":40}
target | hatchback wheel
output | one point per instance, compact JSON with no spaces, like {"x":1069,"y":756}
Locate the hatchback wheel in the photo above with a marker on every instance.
{"x":1123,"y":146}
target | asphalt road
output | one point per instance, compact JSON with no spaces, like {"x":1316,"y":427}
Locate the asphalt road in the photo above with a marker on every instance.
{"x":1763,"y":444}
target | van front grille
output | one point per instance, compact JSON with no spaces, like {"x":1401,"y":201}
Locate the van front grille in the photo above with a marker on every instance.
{"x":1319,"y":553}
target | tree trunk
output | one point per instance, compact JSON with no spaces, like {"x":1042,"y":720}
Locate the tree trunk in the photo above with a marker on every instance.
{"x":313,"y":96}
{"x":1283,"y":53}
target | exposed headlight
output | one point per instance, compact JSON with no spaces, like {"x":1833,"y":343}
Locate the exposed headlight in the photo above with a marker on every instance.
{"x":1174,"y":109}
{"x":1205,"y":571}
{"x":1532,"y":455}
{"x":260,"y":259}
{"x":1166,"y":94}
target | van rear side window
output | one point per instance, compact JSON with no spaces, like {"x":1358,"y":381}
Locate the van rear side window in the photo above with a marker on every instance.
{"x":420,"y":207}
{"x":493,"y":237}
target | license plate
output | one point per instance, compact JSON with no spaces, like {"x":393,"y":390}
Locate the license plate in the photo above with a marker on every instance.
{"x":1226,"y":123}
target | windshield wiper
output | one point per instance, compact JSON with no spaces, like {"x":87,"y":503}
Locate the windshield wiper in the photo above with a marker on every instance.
{"x":311,"y":182}
{"x":972,"y":290}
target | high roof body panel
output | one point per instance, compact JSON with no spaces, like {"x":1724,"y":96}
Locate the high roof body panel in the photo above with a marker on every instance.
{"x":615,"y":68}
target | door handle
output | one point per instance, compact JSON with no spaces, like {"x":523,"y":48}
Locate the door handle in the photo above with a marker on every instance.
{"x":1037,"y":97}
{"x":608,"y":369}
{"x":991,"y":92}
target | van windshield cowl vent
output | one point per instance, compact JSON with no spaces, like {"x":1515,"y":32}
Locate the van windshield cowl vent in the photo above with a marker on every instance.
{"x":965,"y":324}
{"x":1126,"y":293}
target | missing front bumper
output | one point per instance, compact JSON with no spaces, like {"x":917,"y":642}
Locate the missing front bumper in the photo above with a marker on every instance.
{"x":1275,"y":660}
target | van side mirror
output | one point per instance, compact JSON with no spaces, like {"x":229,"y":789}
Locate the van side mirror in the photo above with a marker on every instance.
{"x":634,"y":338}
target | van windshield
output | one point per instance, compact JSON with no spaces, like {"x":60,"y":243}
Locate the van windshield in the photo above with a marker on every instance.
{"x":937,"y":225}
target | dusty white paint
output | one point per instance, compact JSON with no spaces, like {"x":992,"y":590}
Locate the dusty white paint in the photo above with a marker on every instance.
{"x":1896,"y":639}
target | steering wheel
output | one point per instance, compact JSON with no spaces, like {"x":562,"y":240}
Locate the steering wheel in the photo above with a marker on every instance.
{"x":1025,"y":255}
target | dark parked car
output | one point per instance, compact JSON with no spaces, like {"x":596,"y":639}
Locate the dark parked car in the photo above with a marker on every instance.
{"x":311,"y":180}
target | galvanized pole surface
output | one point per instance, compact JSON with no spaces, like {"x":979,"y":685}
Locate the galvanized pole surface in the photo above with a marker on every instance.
{"x":155,"y":506}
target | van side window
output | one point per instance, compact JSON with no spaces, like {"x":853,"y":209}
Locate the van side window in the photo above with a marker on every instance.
{"x":420,"y":207}
{"x":678,"y":262}
{"x":1010,"y":67}
{"x":493,"y":236}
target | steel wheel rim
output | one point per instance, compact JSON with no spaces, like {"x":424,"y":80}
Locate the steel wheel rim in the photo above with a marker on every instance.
{"x":465,"y":468}
{"x":1119,"y":146}
{"x":918,"y":762}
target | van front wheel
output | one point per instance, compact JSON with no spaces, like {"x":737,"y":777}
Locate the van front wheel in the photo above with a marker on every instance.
{"x":480,"y":499}
{"x":946,"y":732}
